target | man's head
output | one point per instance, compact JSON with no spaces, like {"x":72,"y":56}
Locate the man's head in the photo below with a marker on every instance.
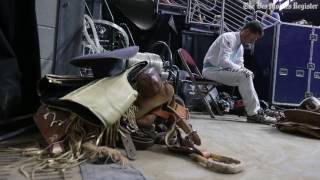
{"x":251,"y":32}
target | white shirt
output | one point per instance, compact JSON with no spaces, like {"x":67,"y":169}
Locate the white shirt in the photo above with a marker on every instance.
{"x":225,"y":52}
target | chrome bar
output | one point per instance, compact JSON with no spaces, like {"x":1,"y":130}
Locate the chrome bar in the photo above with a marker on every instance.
{"x":222,"y":17}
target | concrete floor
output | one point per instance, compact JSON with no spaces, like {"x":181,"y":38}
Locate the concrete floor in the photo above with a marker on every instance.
{"x":267,"y":153}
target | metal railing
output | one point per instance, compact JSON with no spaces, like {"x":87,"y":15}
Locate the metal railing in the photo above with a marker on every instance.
{"x":266,"y":20}
{"x":229,"y":15}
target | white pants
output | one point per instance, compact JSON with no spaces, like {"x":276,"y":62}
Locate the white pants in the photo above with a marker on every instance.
{"x":240,"y":78}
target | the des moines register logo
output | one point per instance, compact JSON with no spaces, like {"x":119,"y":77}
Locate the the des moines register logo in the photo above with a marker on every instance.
{"x":293,"y":6}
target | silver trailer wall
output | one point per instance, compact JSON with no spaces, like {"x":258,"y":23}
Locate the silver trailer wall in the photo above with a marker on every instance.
{"x":46,"y":11}
{"x":60,"y":30}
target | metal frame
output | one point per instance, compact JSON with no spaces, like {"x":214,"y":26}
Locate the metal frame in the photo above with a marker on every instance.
{"x":228,"y":15}
{"x":266,"y":20}
{"x":205,"y":82}
{"x":310,"y":61}
{"x":116,"y":27}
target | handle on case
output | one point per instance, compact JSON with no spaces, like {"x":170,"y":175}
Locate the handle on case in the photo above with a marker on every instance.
{"x":300,"y":73}
{"x":283,"y":71}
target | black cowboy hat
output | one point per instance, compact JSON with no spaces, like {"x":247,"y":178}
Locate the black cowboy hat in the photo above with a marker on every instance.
{"x":108,"y":63}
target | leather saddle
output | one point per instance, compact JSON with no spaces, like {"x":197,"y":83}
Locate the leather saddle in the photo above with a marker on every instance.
{"x":156,"y":99}
{"x":59,"y":108}
{"x":106,"y":99}
{"x":152,"y":91}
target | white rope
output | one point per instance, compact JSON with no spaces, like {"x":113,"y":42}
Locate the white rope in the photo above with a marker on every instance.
{"x":93,"y":44}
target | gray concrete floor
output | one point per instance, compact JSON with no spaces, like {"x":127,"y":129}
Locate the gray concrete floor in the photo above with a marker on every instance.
{"x":267,"y":153}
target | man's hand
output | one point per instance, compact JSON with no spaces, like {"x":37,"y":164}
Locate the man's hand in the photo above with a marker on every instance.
{"x":247,"y":72}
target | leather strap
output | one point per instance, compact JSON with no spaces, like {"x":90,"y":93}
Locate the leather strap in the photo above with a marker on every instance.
{"x":161,"y":113}
{"x":179,"y":110}
{"x":178,"y":113}
{"x":128,"y":144}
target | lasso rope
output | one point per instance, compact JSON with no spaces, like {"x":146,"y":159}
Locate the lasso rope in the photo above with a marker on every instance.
{"x":83,"y":144}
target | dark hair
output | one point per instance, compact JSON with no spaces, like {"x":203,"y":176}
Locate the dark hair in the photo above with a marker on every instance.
{"x":254,"y":27}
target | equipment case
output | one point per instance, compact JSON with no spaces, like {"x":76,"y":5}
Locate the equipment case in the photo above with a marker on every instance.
{"x":287,"y":61}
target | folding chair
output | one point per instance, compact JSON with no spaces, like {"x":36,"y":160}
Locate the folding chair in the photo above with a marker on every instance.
{"x":202,"y":85}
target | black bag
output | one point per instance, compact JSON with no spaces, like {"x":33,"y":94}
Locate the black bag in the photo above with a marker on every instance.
{"x":301,"y":122}
{"x":188,"y":94}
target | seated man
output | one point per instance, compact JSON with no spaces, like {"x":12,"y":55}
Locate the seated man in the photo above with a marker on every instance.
{"x":224,"y":63}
